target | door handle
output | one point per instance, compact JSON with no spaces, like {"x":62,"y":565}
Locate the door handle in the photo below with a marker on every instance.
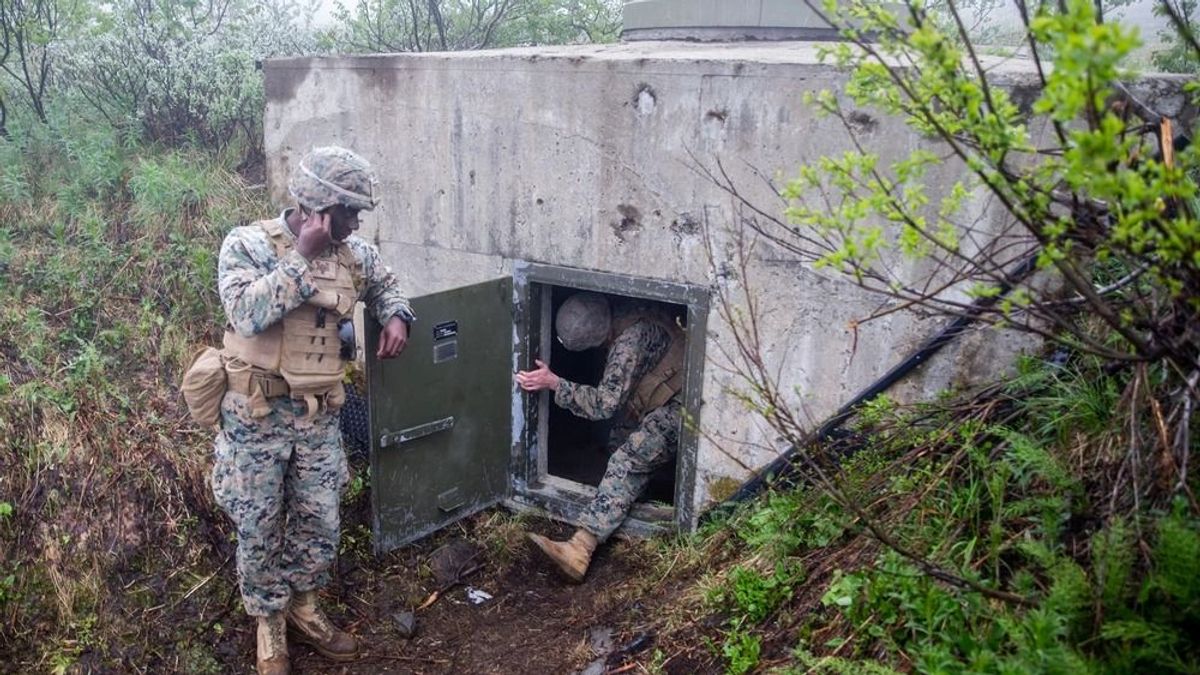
{"x":389,"y":438}
{"x":450,"y":500}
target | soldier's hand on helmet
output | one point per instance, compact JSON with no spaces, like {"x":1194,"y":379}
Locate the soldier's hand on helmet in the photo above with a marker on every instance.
{"x":393,"y":338}
{"x":538,"y":379}
{"x":315,"y":235}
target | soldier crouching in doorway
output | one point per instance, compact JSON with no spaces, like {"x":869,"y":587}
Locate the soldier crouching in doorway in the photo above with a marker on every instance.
{"x":643,"y":373}
{"x":289,"y":286}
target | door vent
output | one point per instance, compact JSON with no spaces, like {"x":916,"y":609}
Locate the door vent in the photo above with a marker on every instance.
{"x":445,"y":351}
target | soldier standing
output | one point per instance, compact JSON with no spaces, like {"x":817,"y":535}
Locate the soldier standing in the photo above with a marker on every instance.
{"x":289,"y":286}
{"x":643,"y":374}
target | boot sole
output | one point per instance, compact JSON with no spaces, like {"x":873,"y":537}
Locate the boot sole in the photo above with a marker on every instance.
{"x":563,"y":571}
{"x":303,"y":638}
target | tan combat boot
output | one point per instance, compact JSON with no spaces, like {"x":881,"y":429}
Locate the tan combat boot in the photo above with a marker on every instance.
{"x":313,"y":628}
{"x":572,"y":556}
{"x":272,"y":645}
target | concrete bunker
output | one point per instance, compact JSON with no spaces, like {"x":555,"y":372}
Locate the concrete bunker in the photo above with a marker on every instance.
{"x":494,"y":196}
{"x":499,"y":198}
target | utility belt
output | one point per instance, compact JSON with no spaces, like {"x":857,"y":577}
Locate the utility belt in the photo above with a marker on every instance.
{"x":259,"y":385}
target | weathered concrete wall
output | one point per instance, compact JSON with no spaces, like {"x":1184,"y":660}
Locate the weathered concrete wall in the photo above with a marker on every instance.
{"x":586,"y":157}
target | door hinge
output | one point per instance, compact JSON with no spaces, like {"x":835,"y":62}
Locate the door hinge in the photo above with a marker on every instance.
{"x":389,"y":438}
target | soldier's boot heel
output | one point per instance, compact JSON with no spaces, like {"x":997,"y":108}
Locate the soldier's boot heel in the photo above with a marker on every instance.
{"x":572,"y":556}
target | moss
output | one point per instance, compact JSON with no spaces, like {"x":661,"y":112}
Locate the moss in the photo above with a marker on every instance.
{"x":721,"y":489}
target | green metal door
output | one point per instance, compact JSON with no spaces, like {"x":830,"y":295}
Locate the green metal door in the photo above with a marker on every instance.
{"x":441,"y":413}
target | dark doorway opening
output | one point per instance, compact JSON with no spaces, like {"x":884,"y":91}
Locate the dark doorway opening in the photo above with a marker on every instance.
{"x":578,"y":449}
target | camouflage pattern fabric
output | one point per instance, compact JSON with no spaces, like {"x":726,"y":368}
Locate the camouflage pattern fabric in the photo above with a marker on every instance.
{"x":632,"y":354}
{"x":279,"y":478}
{"x":257,"y":288}
{"x":653,"y":443}
{"x":630,"y":467}
{"x":333,"y":175}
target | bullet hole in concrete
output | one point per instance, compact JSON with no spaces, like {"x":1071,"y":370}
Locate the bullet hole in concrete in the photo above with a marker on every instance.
{"x":540,"y":201}
{"x":685,"y":224}
{"x":861,"y":123}
{"x":630,"y":223}
{"x":714,"y":122}
{"x":645,"y":100}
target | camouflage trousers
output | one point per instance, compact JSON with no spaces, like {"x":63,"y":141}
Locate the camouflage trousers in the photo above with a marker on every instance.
{"x":280,"y":479}
{"x":652,"y":444}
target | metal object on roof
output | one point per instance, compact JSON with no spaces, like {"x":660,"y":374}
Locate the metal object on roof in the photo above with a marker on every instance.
{"x":723,"y":20}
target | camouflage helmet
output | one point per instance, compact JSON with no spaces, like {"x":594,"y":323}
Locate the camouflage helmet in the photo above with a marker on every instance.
{"x":583,"y":321}
{"x":332,"y":175}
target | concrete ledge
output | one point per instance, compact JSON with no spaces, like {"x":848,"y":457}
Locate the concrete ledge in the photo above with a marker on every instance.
{"x":730,"y":33}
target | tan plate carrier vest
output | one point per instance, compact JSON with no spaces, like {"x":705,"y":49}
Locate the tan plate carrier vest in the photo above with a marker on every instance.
{"x":302,"y":349}
{"x":665,"y":379}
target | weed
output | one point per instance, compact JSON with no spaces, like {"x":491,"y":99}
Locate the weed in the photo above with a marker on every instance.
{"x":503,"y":535}
{"x":756,"y":595}
{"x":789,"y":521}
{"x":741,"y":651}
{"x":356,"y":541}
{"x":356,"y":487}
{"x":62,"y":660}
{"x":749,"y":597}
{"x":656,"y":664}
{"x":811,"y":664}
{"x":199,"y":659}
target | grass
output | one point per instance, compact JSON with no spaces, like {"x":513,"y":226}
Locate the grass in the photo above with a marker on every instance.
{"x":1012,"y":489}
{"x":109,"y":267}
{"x":503,"y":536}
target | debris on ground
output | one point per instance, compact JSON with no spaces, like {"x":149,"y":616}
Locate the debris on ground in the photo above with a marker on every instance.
{"x":453,"y":561}
{"x":599,"y":640}
{"x":406,"y":624}
{"x":477,"y":597}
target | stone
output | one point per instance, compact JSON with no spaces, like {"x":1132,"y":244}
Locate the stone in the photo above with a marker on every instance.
{"x":452,"y":560}
{"x":406,"y":624}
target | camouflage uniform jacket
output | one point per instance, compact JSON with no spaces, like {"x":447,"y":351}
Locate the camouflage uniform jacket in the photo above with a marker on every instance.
{"x":257,"y":288}
{"x":632,"y":354}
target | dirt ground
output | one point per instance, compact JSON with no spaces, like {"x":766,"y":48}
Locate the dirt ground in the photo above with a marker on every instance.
{"x":535,"y":622}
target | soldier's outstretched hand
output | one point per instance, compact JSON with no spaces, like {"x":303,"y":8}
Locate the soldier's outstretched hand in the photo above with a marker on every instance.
{"x":538,"y":379}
